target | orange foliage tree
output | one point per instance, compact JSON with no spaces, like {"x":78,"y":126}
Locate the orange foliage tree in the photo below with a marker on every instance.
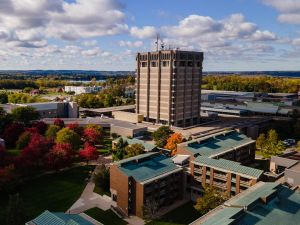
{"x":172,"y":142}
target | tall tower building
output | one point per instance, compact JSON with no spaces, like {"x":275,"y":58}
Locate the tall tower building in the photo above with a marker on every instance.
{"x":168,"y":87}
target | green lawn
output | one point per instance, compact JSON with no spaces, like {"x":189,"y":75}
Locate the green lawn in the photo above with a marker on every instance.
{"x":184,"y":214}
{"x":105,"y":217}
{"x":56,"y":192}
{"x":13,"y":152}
{"x":105,"y":146}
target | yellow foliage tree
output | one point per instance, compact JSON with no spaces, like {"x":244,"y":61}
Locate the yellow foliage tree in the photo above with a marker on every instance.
{"x":172,"y":142}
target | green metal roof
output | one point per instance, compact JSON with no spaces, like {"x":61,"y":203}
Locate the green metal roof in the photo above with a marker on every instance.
{"x":217,"y":144}
{"x":147,"y":166}
{"x":228,"y":166}
{"x":59,"y":218}
{"x":284,"y":208}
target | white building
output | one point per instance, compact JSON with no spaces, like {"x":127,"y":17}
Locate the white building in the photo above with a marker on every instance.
{"x":83,"y":89}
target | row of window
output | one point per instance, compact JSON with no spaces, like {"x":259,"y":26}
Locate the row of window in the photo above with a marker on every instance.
{"x":175,"y":64}
{"x":167,"y":56}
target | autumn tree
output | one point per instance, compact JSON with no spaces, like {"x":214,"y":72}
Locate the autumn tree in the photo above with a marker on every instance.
{"x":60,"y":156}
{"x":59,"y":122}
{"x":88,"y":153}
{"x":118,"y":152}
{"x":260,"y":141}
{"x":3,"y":155}
{"x":75,"y":127}
{"x":52,"y":131}
{"x":40,"y":126}
{"x":93,"y":133}
{"x":35,"y":152}
{"x":66,"y":135}
{"x":133,"y":150}
{"x":101,"y":178}
{"x":211,"y":199}
{"x":23,"y":140}
{"x":14,"y":128}
{"x":25,"y":114}
{"x":161,"y":136}
{"x":3,"y":98}
{"x":172,"y":142}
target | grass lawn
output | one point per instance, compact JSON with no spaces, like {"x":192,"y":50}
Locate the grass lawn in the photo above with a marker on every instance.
{"x":56,"y":192}
{"x":105,"y":217}
{"x":13,"y":152}
{"x":105,"y":146}
{"x":184,"y":214}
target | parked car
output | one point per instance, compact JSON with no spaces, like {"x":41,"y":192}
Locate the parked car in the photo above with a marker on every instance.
{"x":289,"y":142}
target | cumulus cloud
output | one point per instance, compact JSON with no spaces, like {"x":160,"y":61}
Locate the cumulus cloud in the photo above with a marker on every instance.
{"x":131,"y":44}
{"x":289,"y":10}
{"x":144,"y":32}
{"x":90,"y":43}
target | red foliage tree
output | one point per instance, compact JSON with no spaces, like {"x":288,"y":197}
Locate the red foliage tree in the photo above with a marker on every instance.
{"x":59,"y":122}
{"x":88,"y":153}
{"x":41,"y":126}
{"x":92,"y":135}
{"x":12,"y":132}
{"x":75,"y":127}
{"x":35,"y":152}
{"x":32,"y":130}
{"x":7,"y":174}
{"x":61,"y":155}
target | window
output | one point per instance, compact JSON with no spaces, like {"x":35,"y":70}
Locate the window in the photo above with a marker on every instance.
{"x":190,"y":64}
{"x":144,"y":64}
{"x":153,"y":64}
{"x":165,"y":63}
{"x":182,"y":63}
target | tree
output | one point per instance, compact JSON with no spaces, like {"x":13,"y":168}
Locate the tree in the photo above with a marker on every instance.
{"x":5,"y":119}
{"x":35,"y":152}
{"x":261,"y":141}
{"x":25,"y":114}
{"x":52,"y":131}
{"x":66,"y":135}
{"x":59,"y":122}
{"x":15,"y":210}
{"x":93,"y":133}
{"x":40,"y":126}
{"x":133,"y":150}
{"x":210,"y":200}
{"x":14,"y":128}
{"x":101,"y":178}
{"x":150,"y":208}
{"x":88,"y":153}
{"x":75,"y":127}
{"x":161,"y":136}
{"x":23,"y":140}
{"x":60,"y":156}
{"x":3,"y":155}
{"x":172,"y":142}
{"x":270,"y":145}
{"x":3,"y":98}
{"x":119,"y":149}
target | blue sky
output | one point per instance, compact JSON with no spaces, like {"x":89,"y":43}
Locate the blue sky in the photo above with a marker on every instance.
{"x":106,"y":34}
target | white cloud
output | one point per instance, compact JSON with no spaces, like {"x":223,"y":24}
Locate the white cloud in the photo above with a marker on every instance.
{"x":90,"y":43}
{"x":144,"y":32}
{"x":289,"y":10}
{"x":131,"y":44}
{"x":91,"y":52}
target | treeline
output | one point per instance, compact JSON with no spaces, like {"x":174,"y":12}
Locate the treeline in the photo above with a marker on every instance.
{"x":266,"y":84}
{"x":54,"y":83}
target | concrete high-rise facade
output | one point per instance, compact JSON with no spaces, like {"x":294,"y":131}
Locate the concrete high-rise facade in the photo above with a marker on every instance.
{"x":168,"y":87}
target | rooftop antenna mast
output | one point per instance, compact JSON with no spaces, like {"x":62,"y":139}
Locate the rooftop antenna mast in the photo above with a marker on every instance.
{"x":157,"y":42}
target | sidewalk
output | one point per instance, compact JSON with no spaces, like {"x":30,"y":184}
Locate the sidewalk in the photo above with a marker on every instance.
{"x":89,"y":199}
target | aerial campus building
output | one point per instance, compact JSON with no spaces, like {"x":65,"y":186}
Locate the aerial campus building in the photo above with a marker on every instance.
{"x":168,"y":87}
{"x":140,"y":180}
{"x":264,"y":203}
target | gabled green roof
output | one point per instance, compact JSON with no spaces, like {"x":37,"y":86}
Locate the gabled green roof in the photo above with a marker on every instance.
{"x":147,"y":166}
{"x":216,"y":144}
{"x":59,"y":218}
{"x":228,"y":165}
{"x":247,"y":208}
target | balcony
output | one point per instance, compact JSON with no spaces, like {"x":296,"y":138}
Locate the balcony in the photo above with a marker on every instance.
{"x":220,"y":177}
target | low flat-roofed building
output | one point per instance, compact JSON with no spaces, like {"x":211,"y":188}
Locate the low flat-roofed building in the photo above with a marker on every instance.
{"x":83,"y":89}
{"x":145,"y":178}
{"x":61,"y":218}
{"x":229,"y":145}
{"x":263,"y":203}
{"x":128,"y":116}
{"x":227,"y":176}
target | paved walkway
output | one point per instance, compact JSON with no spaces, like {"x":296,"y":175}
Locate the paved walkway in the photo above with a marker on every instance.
{"x":89,"y":199}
